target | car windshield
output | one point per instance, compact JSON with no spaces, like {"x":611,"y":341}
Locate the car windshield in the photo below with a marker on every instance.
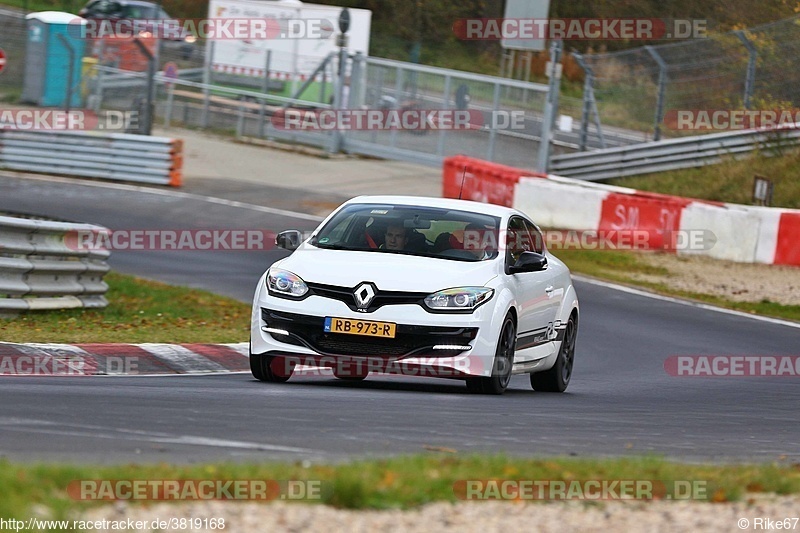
{"x":411,"y":230}
{"x":139,"y":11}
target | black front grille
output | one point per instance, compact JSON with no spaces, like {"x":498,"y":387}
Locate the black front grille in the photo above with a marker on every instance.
{"x":345,"y":294}
{"x":409,"y":339}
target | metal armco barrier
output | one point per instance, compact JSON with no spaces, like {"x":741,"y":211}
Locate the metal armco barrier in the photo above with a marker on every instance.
{"x":113,"y":156}
{"x":688,"y":152}
{"x":39,"y":269}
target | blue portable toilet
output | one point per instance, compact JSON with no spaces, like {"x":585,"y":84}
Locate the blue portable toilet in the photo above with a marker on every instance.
{"x":47,"y":58}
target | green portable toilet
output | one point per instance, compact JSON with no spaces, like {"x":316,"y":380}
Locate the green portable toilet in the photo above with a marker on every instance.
{"x":47,"y":58}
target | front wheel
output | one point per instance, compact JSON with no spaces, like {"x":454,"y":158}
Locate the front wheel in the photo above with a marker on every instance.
{"x":503,"y":363}
{"x":557,"y":378}
{"x":268,"y":368}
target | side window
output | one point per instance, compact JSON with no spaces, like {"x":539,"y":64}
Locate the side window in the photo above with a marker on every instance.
{"x":518,"y":240}
{"x":109,"y":8}
{"x":537,"y":240}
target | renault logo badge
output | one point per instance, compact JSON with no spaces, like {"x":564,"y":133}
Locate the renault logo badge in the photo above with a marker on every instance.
{"x":363,"y":295}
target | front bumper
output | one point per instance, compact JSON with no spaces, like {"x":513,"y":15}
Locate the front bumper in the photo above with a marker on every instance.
{"x":417,"y":349}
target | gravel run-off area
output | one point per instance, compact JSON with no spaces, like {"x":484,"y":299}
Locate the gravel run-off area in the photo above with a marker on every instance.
{"x":482,"y":517}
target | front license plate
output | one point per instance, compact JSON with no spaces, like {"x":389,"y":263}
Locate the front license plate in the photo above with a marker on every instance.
{"x":360,"y":327}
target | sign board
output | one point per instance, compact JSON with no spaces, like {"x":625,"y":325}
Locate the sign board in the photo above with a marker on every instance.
{"x":526,"y":9}
{"x":171,"y":71}
{"x":2,"y":60}
{"x":294,"y":54}
{"x":762,"y":190}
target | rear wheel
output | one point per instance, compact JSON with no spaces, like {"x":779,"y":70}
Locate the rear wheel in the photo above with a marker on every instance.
{"x":557,"y":378}
{"x":503,"y":363}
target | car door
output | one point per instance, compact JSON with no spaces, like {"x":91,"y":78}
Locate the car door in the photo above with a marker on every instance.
{"x":556,"y":285}
{"x":533,"y":289}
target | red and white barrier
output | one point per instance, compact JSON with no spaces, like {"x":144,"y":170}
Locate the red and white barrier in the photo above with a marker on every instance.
{"x":732,"y":232}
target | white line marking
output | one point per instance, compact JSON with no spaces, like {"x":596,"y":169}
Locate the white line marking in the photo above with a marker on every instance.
{"x":189,"y":440}
{"x":182,"y":358}
{"x":707,"y":307}
{"x":170,"y":193}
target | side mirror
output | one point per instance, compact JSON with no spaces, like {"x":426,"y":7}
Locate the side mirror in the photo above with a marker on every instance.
{"x":529,"y":262}
{"x":289,"y":239}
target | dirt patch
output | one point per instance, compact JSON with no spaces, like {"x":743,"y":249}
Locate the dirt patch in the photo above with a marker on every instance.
{"x":741,"y":282}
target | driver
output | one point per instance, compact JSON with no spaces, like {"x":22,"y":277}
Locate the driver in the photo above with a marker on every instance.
{"x":396,"y":237}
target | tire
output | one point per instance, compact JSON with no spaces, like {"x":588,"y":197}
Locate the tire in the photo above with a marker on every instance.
{"x":502,"y":365}
{"x":474,"y":386}
{"x":255,"y":367}
{"x":557,"y":378}
{"x":263,"y":369}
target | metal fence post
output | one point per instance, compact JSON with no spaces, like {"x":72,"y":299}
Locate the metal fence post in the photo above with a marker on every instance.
{"x":550,"y":110}
{"x":337,"y":139}
{"x":267,"y":66}
{"x":750,"y":80}
{"x":492,"y":123}
{"x":662,"y":89}
{"x":151,"y":83}
{"x":207,"y":83}
{"x":445,"y":106}
{"x":170,"y":102}
{"x":357,"y":77}
{"x":398,"y":88}
{"x":240,"y":121}
{"x":588,"y":81}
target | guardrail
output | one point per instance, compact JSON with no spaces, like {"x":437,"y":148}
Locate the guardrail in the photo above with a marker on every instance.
{"x":41,"y":266}
{"x":672,"y":154}
{"x":113,"y":156}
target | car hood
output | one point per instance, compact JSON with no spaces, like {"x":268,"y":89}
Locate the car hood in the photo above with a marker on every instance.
{"x":388,"y":271}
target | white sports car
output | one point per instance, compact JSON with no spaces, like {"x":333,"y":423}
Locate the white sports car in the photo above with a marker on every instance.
{"x":418,"y":286}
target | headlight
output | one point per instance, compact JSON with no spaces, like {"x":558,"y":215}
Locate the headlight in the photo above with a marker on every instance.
{"x":459,"y":299}
{"x":284,"y":283}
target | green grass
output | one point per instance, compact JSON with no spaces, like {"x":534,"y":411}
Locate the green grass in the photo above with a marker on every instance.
{"x":619,"y":266}
{"x":730,"y":181}
{"x":401,"y":482}
{"x":138,"y":311}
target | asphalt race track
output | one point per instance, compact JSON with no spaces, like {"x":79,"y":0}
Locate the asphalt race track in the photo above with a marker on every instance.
{"x":620,"y":402}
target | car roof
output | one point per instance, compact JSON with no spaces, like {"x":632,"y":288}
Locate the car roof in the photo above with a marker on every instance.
{"x":137,"y":3}
{"x":445,"y":203}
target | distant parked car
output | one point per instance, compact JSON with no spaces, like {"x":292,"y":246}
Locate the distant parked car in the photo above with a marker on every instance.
{"x":148,"y":12}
